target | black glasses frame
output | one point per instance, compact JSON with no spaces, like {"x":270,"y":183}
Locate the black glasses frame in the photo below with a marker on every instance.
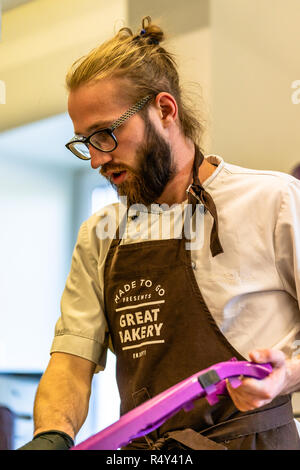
{"x":108,"y":130}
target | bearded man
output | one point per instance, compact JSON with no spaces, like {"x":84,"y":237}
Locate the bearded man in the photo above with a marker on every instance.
{"x":167,"y":311}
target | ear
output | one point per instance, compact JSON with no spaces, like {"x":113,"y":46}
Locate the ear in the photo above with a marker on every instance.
{"x":167,"y":108}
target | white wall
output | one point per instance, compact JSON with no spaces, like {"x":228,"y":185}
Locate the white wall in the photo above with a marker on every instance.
{"x":35,"y":206}
{"x":255,"y":60}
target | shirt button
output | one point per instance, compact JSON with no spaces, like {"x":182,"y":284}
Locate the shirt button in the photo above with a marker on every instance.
{"x":193,"y":265}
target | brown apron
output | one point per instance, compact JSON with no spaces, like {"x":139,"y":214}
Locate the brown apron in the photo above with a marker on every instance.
{"x":162,"y":332}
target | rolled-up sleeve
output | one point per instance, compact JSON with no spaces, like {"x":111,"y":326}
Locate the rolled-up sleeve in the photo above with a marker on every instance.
{"x":82,"y":328}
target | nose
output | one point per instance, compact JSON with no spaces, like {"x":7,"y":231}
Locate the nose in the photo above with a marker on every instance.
{"x":98,"y":158}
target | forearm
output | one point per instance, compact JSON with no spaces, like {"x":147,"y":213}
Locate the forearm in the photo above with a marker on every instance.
{"x":61,"y":401}
{"x":292,"y":376}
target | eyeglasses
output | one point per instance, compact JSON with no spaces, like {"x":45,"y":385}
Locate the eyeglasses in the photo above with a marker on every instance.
{"x":103,"y":139}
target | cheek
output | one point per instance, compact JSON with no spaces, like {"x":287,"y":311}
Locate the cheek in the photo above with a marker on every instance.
{"x":131,"y":140}
{"x":129,"y":151}
{"x":132,"y":134}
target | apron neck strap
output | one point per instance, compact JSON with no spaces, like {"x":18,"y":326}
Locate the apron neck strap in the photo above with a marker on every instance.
{"x":196,"y":194}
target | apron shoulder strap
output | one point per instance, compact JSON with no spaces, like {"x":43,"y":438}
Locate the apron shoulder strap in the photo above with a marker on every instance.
{"x":196,"y":193}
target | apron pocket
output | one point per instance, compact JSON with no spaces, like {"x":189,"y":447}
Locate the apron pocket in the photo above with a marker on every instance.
{"x":140,"y":397}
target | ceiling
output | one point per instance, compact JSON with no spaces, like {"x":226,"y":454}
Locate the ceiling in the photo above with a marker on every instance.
{"x":40,"y":41}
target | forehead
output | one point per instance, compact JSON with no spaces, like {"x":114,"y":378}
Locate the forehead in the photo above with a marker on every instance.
{"x":101,"y":101}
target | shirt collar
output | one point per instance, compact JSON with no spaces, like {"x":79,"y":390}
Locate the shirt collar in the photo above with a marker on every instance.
{"x":214,"y":160}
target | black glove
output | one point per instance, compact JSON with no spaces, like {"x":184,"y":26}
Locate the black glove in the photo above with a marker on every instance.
{"x":49,"y":440}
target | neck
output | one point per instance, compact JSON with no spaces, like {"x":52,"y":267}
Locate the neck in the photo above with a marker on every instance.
{"x":175,"y":191}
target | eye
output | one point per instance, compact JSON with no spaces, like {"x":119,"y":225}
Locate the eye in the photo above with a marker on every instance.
{"x":103,"y":141}
{"x":101,"y":137}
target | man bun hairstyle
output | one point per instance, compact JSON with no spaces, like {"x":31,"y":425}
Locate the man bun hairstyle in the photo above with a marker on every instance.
{"x":151,"y":33}
{"x":142,"y":60}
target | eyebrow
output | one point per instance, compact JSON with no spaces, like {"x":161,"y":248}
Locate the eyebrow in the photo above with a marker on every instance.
{"x":97,"y":125}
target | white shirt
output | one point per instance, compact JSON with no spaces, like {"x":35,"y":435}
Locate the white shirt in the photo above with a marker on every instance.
{"x":252,"y":289}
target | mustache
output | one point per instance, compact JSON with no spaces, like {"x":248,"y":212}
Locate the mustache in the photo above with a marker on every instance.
{"x":108,"y":168}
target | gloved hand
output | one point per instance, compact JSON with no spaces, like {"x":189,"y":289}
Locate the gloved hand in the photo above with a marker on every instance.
{"x":49,"y":440}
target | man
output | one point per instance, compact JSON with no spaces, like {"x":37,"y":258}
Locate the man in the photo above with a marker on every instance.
{"x":168,"y":311}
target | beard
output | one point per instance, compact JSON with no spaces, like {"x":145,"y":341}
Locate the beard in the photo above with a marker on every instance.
{"x":155,"y":169}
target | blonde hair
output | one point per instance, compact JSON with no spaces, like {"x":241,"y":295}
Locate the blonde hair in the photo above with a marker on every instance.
{"x":140,"y":59}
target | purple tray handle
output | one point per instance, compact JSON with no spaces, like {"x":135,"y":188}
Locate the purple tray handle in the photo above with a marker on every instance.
{"x":143,"y":419}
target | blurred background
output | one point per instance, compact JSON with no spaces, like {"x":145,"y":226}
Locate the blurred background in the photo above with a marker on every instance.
{"x":239,"y":62}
